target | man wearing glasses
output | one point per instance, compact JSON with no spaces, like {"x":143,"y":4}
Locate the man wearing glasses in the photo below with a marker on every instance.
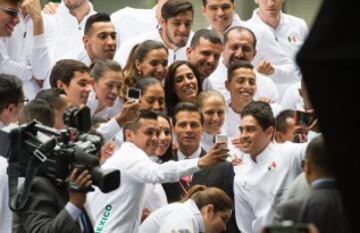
{"x":25,"y":53}
{"x":9,"y":10}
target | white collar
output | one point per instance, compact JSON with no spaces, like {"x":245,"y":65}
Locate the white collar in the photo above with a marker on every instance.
{"x":259,"y":20}
{"x":195,"y":210}
{"x":2,"y":125}
{"x":264,"y":155}
{"x":64,"y":11}
{"x":83,"y":56}
{"x":92,"y":102}
{"x":208,"y":138}
{"x":194,"y":155}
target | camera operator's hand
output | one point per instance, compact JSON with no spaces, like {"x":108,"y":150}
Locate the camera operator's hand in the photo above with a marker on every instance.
{"x":80,"y":181}
{"x":216,"y":154}
{"x":129,"y":111}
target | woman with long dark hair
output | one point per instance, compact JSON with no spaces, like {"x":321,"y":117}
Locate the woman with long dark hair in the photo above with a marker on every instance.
{"x":182,"y":83}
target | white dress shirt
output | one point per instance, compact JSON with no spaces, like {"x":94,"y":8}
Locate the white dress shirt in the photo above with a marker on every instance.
{"x":25,"y":56}
{"x":155,"y":197}
{"x":152,"y":223}
{"x":259,"y":185}
{"x":292,"y":98}
{"x":107,"y":112}
{"x":129,"y":22}
{"x":176,"y":217}
{"x":64,"y":33}
{"x":187,"y":218}
{"x":194,"y":155}
{"x":265,"y":85}
{"x":126,"y":202}
{"x":290,"y":34}
{"x":109,"y":129}
{"x":83,"y":56}
{"x":123,"y":52}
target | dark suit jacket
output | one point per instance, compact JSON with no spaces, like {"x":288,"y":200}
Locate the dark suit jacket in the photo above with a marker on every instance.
{"x":44,"y":211}
{"x":321,"y":206}
{"x":221,"y":176}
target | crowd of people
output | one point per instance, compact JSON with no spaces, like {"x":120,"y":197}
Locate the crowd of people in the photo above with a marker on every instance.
{"x":235,"y":78}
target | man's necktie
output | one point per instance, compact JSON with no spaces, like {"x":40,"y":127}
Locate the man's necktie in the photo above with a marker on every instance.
{"x":85,"y":223}
{"x":185,"y":184}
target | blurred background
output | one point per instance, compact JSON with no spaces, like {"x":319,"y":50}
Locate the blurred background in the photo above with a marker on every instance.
{"x":306,"y":9}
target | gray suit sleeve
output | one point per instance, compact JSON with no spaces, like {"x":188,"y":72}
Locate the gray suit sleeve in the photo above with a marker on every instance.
{"x":44,"y":211}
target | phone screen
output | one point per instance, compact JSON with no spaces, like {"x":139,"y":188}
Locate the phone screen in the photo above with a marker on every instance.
{"x":303,"y":118}
{"x":133,"y":93}
{"x":222,"y":138}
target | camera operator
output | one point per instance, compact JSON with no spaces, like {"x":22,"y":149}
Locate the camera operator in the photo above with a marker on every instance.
{"x":50,"y":207}
{"x":11,"y":101}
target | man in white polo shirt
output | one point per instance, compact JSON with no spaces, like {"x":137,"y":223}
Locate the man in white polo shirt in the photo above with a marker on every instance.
{"x":120,"y":210}
{"x":240,"y":44}
{"x":267,"y":170}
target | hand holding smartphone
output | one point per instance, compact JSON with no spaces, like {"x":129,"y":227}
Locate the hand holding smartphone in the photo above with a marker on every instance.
{"x":222,"y":138}
{"x":303,"y":118}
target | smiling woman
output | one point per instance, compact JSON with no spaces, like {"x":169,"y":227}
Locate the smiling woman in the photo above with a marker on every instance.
{"x":181,"y":84}
{"x":108,"y":82}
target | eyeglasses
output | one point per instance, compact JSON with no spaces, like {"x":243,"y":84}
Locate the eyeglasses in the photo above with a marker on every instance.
{"x":10,"y":11}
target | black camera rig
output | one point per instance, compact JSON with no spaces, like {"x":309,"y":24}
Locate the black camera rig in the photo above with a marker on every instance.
{"x":35,"y":149}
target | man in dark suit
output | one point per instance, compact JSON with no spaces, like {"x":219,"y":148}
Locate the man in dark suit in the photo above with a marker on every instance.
{"x":188,"y":128}
{"x":322,"y":205}
{"x":51,"y":208}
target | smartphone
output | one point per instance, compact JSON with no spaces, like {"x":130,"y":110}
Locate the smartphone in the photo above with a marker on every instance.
{"x":222,"y":138}
{"x":133,"y":93}
{"x":303,"y":118}
{"x":293,"y":228}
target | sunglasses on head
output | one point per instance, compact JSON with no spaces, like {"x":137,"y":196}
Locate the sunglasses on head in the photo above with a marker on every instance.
{"x":10,"y":11}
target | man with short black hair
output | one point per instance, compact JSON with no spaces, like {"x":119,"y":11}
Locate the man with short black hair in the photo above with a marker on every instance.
{"x":204,"y":52}
{"x":242,"y":84}
{"x":322,"y":205}
{"x":39,"y":110}
{"x":11,"y":99}
{"x":9,"y":11}
{"x":11,"y":103}
{"x":99,"y":39}
{"x":174,"y":32}
{"x":267,"y":170}
{"x":74,"y":78}
{"x":58,"y":101}
{"x":25,"y":52}
{"x":287,"y":130}
{"x":123,"y":206}
{"x":188,"y":124}
{"x":221,"y":15}
{"x":240,"y":44}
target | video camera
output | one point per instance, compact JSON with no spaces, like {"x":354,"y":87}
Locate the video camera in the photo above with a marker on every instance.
{"x":35,"y":149}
